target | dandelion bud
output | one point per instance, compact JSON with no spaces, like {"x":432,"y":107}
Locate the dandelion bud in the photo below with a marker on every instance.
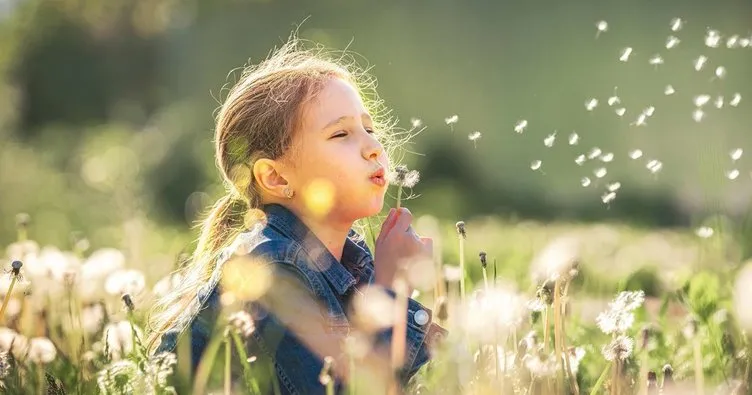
{"x":668,"y":376}
{"x":325,"y":377}
{"x":128,"y":301}
{"x":16,"y":268}
{"x":652,"y":383}
{"x":483,"y":261}
{"x":461,"y":229}
{"x":645,"y":337}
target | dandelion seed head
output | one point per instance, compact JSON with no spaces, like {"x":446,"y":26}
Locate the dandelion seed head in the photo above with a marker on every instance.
{"x":580,"y":159}
{"x":732,"y":174}
{"x":625,"y":53}
{"x":520,"y":126}
{"x":620,"y":349}
{"x":585,"y":181}
{"x":676,"y":24}
{"x":655,"y":60}
{"x":401,"y":176}
{"x":549,"y":140}
{"x":620,"y":111}
{"x":698,"y":115}
{"x":736,"y":154}
{"x":41,"y":350}
{"x":672,"y":42}
{"x":669,"y":90}
{"x":536,"y":164}
{"x":600,"y":172}
{"x":712,"y":38}
{"x":573,"y":139}
{"x":635,"y":154}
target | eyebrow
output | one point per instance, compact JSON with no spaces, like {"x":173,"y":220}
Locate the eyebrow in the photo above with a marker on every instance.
{"x":364,"y":116}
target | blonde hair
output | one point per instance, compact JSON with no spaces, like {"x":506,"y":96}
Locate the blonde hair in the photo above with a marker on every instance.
{"x":258,"y":119}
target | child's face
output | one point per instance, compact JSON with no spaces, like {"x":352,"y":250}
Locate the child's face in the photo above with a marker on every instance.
{"x":336,"y":148}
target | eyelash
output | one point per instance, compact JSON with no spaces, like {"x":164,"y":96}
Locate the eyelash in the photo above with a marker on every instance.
{"x":343,"y":134}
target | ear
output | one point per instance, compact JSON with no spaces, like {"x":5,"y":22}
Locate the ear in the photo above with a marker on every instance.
{"x":267,"y":173}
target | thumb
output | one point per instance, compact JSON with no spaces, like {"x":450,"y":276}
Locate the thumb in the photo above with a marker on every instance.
{"x":427,"y":245}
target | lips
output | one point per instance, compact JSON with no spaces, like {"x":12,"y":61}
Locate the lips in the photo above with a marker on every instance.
{"x":377,"y":177}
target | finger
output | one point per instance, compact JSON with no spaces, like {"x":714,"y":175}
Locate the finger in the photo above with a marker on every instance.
{"x":427,"y":245}
{"x":404,"y":220}
{"x":388,"y":223}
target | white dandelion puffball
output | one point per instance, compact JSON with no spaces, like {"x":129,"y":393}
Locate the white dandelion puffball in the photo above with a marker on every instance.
{"x":41,"y":350}
{"x":125,"y":282}
{"x":742,"y":296}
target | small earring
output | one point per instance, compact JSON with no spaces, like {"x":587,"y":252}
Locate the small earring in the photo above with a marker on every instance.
{"x":288,"y":192}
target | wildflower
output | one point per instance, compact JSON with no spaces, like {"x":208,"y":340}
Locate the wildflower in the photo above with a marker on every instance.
{"x":718,"y":102}
{"x":242,"y":322}
{"x":41,"y":350}
{"x":620,"y":349}
{"x":575,"y":355}
{"x":452,"y":273}
{"x":652,"y":382}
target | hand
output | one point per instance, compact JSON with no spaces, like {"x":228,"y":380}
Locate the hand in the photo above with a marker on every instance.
{"x":397,"y":246}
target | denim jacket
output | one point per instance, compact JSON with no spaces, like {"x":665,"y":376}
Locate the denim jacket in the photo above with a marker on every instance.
{"x":307,"y":305}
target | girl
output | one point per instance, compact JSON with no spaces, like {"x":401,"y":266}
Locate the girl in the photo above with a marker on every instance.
{"x":302,"y":154}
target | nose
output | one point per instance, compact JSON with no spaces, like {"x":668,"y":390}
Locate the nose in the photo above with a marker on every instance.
{"x":372,"y":148}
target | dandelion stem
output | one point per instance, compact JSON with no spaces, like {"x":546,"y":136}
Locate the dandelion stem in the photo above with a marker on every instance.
{"x":546,"y":325}
{"x":615,"y":378}
{"x":250,"y":381}
{"x":699,"y":376}
{"x":228,"y":360}
{"x":204,"y":369}
{"x":462,"y":268}
{"x":601,"y":380}
{"x":399,"y":196}
{"x":399,"y":332}
{"x":557,"y":334}
{"x":40,"y":378}
{"x":6,"y":299}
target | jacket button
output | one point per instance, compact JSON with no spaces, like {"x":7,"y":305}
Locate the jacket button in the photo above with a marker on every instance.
{"x":421,"y":317}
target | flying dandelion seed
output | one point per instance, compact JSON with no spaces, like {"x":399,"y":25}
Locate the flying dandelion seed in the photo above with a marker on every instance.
{"x":591,"y":104}
{"x":654,"y":166}
{"x":535,"y":165}
{"x":698,"y":115}
{"x":641,"y":120}
{"x":416,"y":122}
{"x":625,"y":53}
{"x":520,"y":126}
{"x":573,"y":139}
{"x":672,"y":42}
{"x":635,"y":154}
{"x":669,"y":90}
{"x":732,"y":174}
{"x":655,"y":60}
{"x":600,"y":172}
{"x":613,"y":100}
{"x":701,"y":100}
{"x":735,"y":100}
{"x":585,"y":182}
{"x":580,"y":159}
{"x":719,"y":102}
{"x":620,"y":111}
{"x":720,"y":72}
{"x":607,"y":157}
{"x":452,"y":120}
{"x":549,"y":140}
{"x":649,"y":111}
{"x":712,"y":38}
{"x":474,"y":136}
{"x":608,"y":197}
{"x":736,"y":154}
{"x":602,"y":27}
{"x":704,"y":232}
{"x":594,"y":153}
{"x":676,"y":24}
{"x":700,"y":62}
{"x":613,"y":187}
{"x":744,"y":42}
{"x":733,"y":41}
